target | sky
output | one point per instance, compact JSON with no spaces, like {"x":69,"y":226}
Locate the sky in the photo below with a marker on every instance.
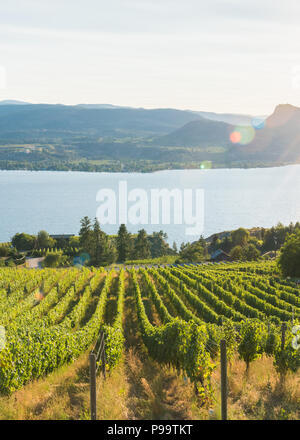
{"x":213,"y":55}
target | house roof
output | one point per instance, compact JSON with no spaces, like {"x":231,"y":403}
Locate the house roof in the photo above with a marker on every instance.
{"x":217,"y":253}
{"x":62,"y":236}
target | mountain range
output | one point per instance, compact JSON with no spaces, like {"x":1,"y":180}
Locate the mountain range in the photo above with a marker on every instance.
{"x":106,"y":132}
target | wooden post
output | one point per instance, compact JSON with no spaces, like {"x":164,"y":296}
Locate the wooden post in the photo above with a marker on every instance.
{"x":93,"y":401}
{"x":283,"y":330}
{"x":223,"y":380}
{"x":104,"y":362}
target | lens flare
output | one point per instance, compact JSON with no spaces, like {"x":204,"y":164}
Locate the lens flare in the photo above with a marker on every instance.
{"x":258,"y":123}
{"x":206,"y":165}
{"x":242,"y":135}
{"x":235,"y":137}
{"x":81,"y":260}
{"x":39,"y":296}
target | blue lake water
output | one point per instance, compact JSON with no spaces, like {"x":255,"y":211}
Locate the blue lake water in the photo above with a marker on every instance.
{"x":56,"y":201}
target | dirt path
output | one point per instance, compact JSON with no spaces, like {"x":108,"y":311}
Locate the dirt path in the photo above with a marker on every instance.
{"x":34,"y":263}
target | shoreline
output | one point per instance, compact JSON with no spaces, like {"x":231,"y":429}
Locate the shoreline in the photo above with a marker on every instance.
{"x":147,"y":170}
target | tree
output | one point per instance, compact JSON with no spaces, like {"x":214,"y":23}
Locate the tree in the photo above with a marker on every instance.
{"x":275,"y":237}
{"x":54,"y":259}
{"x":74,"y":242}
{"x":103,"y":251}
{"x":237,"y":253}
{"x":158,"y":244}
{"x":23,"y":242}
{"x":240,"y":237}
{"x":226,"y":244}
{"x":86,"y":235}
{"x":99,"y":244}
{"x":289,"y":260}
{"x":110,"y":254}
{"x":123,"y":244}
{"x":174,"y":247}
{"x":203,"y":244}
{"x":141,"y":246}
{"x":250,"y":346}
{"x":44,"y":240}
{"x":251,"y":253}
{"x":286,"y":358}
{"x":192,"y":252}
{"x":4,"y":251}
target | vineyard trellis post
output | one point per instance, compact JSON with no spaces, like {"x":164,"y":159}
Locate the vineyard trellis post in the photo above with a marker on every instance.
{"x":93,"y":396}
{"x":223,"y":380}
{"x":97,"y":354}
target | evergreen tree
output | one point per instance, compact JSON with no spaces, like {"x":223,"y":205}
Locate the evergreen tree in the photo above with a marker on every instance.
{"x":141,"y":246}
{"x":203,"y":244}
{"x":123,"y":244}
{"x":158,"y":244}
{"x":99,"y":244}
{"x":86,"y":235}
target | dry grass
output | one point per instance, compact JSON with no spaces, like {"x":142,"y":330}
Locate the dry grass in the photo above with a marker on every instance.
{"x":139,"y":388}
{"x":134,"y":390}
{"x":156,"y":392}
{"x":260,"y":396}
{"x":64,"y":395}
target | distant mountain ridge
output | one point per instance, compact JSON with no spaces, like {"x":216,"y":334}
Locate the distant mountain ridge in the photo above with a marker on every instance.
{"x":202,"y":132}
{"x":279,"y":140}
{"x":230,"y":118}
{"x":60,"y":134}
{"x":13,"y":102}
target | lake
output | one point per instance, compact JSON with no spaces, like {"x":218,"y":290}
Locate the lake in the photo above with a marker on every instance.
{"x":56,"y":201}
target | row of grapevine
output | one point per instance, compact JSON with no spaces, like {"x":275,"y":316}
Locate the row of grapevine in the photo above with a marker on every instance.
{"x":33,"y":348}
{"x":178,"y":343}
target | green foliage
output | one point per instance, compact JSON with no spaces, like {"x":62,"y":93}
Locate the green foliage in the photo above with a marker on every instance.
{"x":166,"y":259}
{"x":286,"y":358}
{"x":97,"y":245}
{"x":272,"y":340}
{"x":237,"y":253}
{"x":251,"y":344}
{"x":54,"y":259}
{"x":179,"y":343}
{"x":124,"y":245}
{"x":142,"y":246}
{"x":23,"y":242}
{"x":52,"y":316}
{"x":240,"y":237}
{"x":158,"y":244}
{"x":289,"y":260}
{"x":193,"y":252}
{"x":44,"y":241}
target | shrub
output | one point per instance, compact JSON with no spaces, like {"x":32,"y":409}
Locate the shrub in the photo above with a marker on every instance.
{"x":289,"y":260}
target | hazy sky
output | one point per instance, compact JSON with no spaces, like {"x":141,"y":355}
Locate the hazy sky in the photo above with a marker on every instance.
{"x":214,"y":55}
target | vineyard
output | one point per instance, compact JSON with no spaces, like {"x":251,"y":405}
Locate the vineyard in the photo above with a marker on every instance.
{"x":50,"y":317}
